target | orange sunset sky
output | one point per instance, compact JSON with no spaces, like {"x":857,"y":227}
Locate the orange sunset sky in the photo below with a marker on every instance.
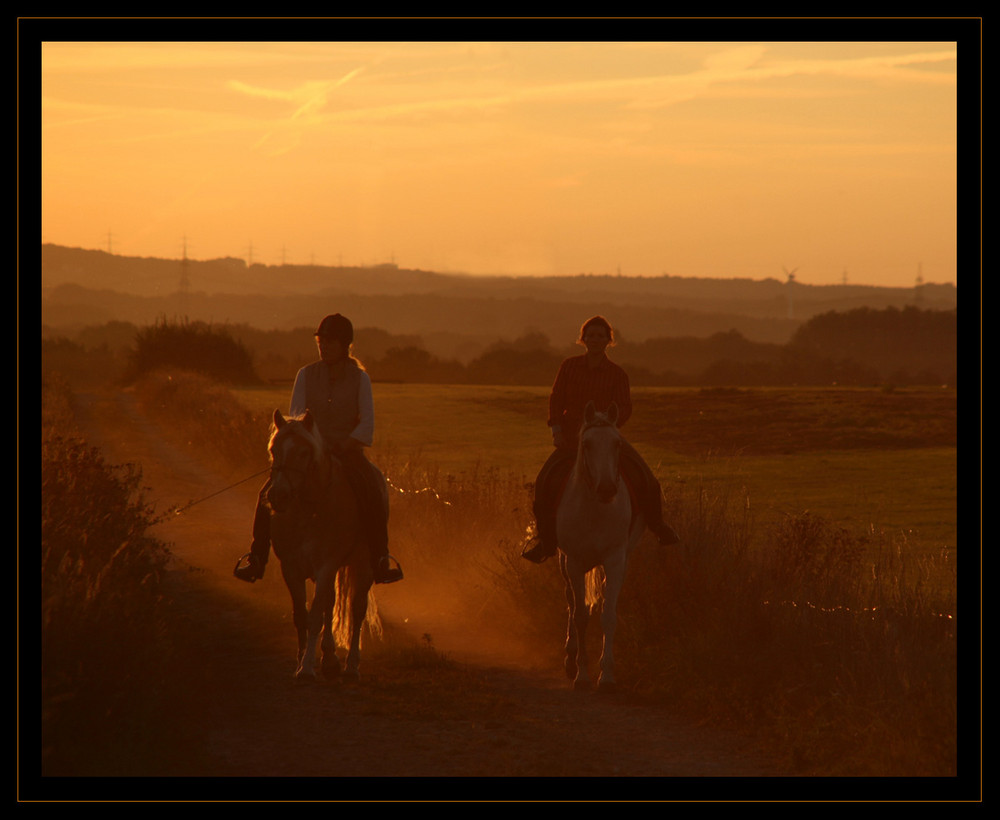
{"x":707,"y":159}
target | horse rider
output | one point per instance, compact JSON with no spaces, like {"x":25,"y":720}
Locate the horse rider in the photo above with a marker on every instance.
{"x":591,"y":376}
{"x":337,"y":392}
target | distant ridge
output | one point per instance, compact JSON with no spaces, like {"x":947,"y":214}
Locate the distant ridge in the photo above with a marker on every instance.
{"x":91,"y":287}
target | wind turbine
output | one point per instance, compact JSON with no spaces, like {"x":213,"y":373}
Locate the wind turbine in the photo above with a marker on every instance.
{"x":790,"y":276}
{"x":184,"y":285}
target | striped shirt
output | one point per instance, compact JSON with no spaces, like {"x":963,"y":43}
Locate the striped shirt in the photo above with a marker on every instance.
{"x":577,"y":383}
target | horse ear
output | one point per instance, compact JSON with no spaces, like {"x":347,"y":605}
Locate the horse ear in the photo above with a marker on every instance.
{"x":588,"y":412}
{"x":307,"y":421}
{"x":279,"y":420}
{"x":613,"y":414}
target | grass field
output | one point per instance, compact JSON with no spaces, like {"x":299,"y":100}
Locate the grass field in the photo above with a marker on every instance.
{"x":813,"y":596}
{"x":853,"y":456}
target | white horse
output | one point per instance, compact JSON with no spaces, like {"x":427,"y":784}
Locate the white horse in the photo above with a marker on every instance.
{"x":596,"y":529}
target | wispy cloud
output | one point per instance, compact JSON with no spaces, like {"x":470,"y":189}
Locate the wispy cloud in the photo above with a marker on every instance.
{"x":746,"y":64}
{"x":307,"y":97}
{"x":310,"y":99}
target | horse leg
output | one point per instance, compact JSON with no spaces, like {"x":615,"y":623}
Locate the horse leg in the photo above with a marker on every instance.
{"x":614,"y":576}
{"x":576,"y":630}
{"x":359,"y":611}
{"x":330,"y":663}
{"x":300,"y":617}
{"x":321,"y":601}
{"x":571,"y":637}
{"x":307,"y":663}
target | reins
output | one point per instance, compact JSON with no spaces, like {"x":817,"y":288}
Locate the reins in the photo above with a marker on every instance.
{"x":310,"y":483}
{"x":188,"y":506}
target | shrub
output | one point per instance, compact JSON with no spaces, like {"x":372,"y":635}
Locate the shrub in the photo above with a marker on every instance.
{"x":101,"y":586}
{"x":193,"y":346}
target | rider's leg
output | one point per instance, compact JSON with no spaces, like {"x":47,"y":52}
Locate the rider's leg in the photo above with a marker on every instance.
{"x":548,"y":485}
{"x":647,"y":488}
{"x":260,"y":546}
{"x":366,"y":481}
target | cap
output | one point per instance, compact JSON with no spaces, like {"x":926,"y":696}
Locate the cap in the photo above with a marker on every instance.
{"x":337,"y":327}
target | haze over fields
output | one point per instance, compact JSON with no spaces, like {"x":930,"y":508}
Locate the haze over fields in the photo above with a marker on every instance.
{"x":82,"y":288}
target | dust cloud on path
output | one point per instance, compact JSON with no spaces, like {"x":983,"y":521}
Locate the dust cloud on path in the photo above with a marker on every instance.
{"x":483,"y":717}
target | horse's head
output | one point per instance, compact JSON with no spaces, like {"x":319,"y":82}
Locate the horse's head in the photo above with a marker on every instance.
{"x":599,"y":448}
{"x":296,"y":450}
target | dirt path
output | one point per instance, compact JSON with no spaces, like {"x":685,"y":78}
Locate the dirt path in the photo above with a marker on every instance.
{"x":477,"y":717}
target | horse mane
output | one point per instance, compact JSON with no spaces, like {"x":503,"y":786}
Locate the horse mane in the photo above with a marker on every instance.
{"x":599,"y":420}
{"x":296,"y":425}
{"x":594,"y":418}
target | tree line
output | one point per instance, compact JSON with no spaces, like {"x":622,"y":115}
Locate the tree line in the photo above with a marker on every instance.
{"x":858,"y":347}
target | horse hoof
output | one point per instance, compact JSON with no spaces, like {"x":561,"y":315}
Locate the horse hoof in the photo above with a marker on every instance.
{"x":581,"y":685}
{"x":571,"y":669}
{"x":351,"y":676}
{"x":305,"y":677}
{"x":607,"y":687}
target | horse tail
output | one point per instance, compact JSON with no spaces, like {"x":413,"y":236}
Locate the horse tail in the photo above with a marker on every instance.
{"x":373,"y":620}
{"x":595,"y":588}
{"x":343,"y":616}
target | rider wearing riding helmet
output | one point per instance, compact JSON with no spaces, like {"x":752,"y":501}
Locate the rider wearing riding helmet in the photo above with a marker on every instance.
{"x":581,"y":379}
{"x":337,"y":392}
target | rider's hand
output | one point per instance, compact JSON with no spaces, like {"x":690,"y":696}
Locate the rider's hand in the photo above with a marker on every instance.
{"x":347,"y":445}
{"x":558,"y":437}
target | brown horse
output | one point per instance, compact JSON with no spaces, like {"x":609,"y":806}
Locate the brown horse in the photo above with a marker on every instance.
{"x":317,"y":535}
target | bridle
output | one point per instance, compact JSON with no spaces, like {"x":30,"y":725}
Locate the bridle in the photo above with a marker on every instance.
{"x":588,"y":476}
{"x":302,"y":480}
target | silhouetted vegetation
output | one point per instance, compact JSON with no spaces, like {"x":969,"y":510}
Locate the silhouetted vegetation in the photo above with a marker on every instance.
{"x":862,"y":347}
{"x":424,"y":302}
{"x":103,"y":619}
{"x":193,"y":346}
{"x":908,"y":346}
{"x":414,"y":364}
{"x":839,"y":642}
{"x":80,"y":364}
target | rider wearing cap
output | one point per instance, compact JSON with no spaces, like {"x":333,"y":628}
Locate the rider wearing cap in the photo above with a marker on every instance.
{"x":590,"y":377}
{"x":337,"y":392}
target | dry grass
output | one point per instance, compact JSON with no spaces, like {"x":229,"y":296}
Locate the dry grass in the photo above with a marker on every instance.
{"x":837,"y":645}
{"x":835,"y":640}
{"x":198,"y":407}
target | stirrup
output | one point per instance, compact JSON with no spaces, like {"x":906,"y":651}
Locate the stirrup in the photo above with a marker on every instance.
{"x":667,"y":536}
{"x":385,"y":573}
{"x":248,"y":568}
{"x":537,"y":553}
